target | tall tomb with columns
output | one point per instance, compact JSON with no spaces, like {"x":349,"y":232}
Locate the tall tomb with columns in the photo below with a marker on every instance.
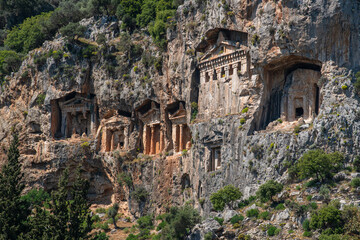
{"x":181,"y":135}
{"x":224,"y":71}
{"x":152,"y":134}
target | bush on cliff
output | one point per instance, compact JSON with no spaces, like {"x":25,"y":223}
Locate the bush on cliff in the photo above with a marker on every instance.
{"x":268,"y":190}
{"x":318,"y":164}
{"x":226,"y":195}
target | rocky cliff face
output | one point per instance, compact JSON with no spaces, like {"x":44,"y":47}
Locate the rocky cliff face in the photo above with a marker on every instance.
{"x":253,"y":71}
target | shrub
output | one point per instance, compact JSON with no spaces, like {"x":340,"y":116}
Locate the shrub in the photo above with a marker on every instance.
{"x":10,"y":61}
{"x":356,"y":163}
{"x":268,"y":190}
{"x":307,"y":234}
{"x":272,"y":230}
{"x":194,"y":110}
{"x":316,"y":163}
{"x":95,"y":218}
{"x":140,"y":194}
{"x":236,"y":219}
{"x":179,"y":221}
{"x":242,"y":121}
{"x":246,"y":202}
{"x":236,"y":225}
{"x":40,"y":99}
{"x":100,"y":210}
{"x":355,"y":182}
{"x":208,"y":236}
{"x":265,"y":215}
{"x":245,"y":110}
{"x":252,"y":213}
{"x":327,"y":218}
{"x":28,"y":35}
{"x":225,"y":195}
{"x":344,"y":87}
{"x":85,"y":145}
{"x":255,"y":39}
{"x":36,"y":196}
{"x":125,"y":178}
{"x":72,"y":29}
{"x":306,"y":225}
{"x":351,"y":217}
{"x":357,"y":83}
{"x":219,"y":220}
{"x":280,"y":206}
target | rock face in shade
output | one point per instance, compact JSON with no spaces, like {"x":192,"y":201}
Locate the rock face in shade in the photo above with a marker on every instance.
{"x":220,"y":110}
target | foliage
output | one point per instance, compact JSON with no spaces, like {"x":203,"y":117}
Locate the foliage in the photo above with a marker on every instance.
{"x":69,"y":218}
{"x":194,"y":110}
{"x":140,"y":194}
{"x":125,"y":178}
{"x":112,"y":212}
{"x":265,"y":215}
{"x":100,"y":236}
{"x":29,"y":34}
{"x":179,"y":220}
{"x":236,"y":219}
{"x":252,"y":213}
{"x":317,"y":163}
{"x":327,"y":218}
{"x":272,"y":230}
{"x":351,"y":217}
{"x":219,"y":220}
{"x":13,"y":209}
{"x":40,"y":99}
{"x":10,"y":61}
{"x":280,"y":206}
{"x":72,"y":30}
{"x":356,"y":162}
{"x":246,"y":202}
{"x":226,"y":195}
{"x":36,"y":196}
{"x":357,"y":83}
{"x":306,"y":225}
{"x":268,"y":190}
{"x":355,"y":182}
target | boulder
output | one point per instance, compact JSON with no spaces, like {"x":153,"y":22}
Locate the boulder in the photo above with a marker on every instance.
{"x":227,"y":215}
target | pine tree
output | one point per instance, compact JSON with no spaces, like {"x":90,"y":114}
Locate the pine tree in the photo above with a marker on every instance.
{"x":59,"y":216}
{"x":13,"y":210}
{"x":79,"y":212}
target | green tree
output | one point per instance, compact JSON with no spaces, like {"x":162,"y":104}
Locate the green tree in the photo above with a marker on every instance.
{"x":79,"y":212}
{"x":29,"y":35}
{"x":179,"y":220}
{"x":226,"y":195}
{"x":316,"y":163}
{"x":13,"y":209}
{"x":112,"y":212}
{"x":328,"y":218}
{"x":268,"y":190}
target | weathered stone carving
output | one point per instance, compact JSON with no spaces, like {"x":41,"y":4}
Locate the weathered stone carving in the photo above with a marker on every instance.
{"x":115,"y":133}
{"x":301,"y":95}
{"x":181,"y":134}
{"x":74,"y":114}
{"x":224,"y":67}
{"x":153,"y":134}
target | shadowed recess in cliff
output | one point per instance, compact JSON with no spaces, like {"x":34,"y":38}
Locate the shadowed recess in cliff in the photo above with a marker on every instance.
{"x":291,"y":90}
{"x":75,"y":113}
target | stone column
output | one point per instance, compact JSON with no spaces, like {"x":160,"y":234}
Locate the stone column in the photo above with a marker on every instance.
{"x":181,"y":138}
{"x":152,"y":140}
{"x":202,"y":77}
{"x":126,"y":137}
{"x":218,"y":73}
{"x":161,"y":140}
{"x":174,"y":137}
{"x":226,"y":72}
{"x":146,"y":139}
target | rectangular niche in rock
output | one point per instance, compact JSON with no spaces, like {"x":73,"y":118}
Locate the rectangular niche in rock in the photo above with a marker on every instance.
{"x":181,"y":135}
{"x":115,"y":133}
{"x":152,"y":135}
{"x":215,"y":159}
{"x":75,"y":114}
{"x":224,"y":73}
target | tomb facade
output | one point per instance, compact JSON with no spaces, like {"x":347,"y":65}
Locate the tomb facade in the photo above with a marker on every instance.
{"x":74,"y":114}
{"x":181,"y":135}
{"x":224,"y":70}
{"x":152,"y":132}
{"x":116,"y":133}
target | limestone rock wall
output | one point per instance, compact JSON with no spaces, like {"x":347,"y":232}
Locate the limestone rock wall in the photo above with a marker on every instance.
{"x":284,"y":39}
